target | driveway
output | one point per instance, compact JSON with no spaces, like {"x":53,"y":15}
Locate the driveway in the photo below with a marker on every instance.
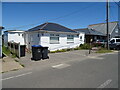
{"x":54,"y":58}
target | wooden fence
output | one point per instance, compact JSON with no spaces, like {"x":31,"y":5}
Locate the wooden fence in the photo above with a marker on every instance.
{"x":14,"y":48}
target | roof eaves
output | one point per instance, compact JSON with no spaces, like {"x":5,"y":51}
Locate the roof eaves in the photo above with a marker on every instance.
{"x":113,"y":28}
{"x":102,"y":23}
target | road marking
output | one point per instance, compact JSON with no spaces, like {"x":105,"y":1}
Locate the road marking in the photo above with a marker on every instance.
{"x":105,"y":84}
{"x":60,"y":66}
{"x":16,"y":76}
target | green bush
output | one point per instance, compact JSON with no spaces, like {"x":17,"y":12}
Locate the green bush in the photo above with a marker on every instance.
{"x":53,"y":51}
{"x":77,"y":48}
{"x":68,"y":49}
{"x":85,"y":46}
{"x":6,"y":50}
{"x":62,"y":50}
{"x":98,"y":45}
{"x":13,"y":56}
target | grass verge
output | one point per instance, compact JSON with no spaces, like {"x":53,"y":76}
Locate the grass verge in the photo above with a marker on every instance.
{"x":104,"y":51}
{"x":6,"y":50}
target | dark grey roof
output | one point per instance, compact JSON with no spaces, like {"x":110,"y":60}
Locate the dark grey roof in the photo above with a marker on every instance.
{"x":14,"y":31}
{"x":101,"y":27}
{"x":89,"y":31}
{"x":52,"y":27}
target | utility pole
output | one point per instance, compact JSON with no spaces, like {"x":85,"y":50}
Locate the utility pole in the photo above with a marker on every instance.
{"x":107,"y":23}
{"x":119,"y":19}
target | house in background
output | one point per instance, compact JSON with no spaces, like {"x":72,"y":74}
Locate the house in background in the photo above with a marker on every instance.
{"x":101,"y":27}
{"x":16,"y":36}
{"x":54,"y":36}
{"x":91,"y":34}
{"x":1,"y":41}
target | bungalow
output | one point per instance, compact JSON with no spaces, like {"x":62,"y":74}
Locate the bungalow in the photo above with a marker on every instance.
{"x":114,"y":30}
{"x":91,"y":34}
{"x":54,"y":36}
{"x":16,"y":36}
{"x":1,"y":41}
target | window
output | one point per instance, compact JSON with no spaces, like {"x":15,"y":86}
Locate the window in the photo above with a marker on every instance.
{"x":117,"y":40}
{"x":38,"y":35}
{"x":54,"y":39}
{"x":70,"y":38}
{"x":116,"y":31}
{"x":77,"y":35}
{"x":112,"y":41}
{"x":22,"y":35}
{"x":80,"y":37}
{"x":42,"y":34}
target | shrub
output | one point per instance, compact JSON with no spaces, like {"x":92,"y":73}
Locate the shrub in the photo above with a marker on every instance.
{"x":85,"y":46}
{"x":52,"y":51}
{"x":98,"y":45}
{"x":62,"y":50}
{"x":68,"y":49}
{"x":77,"y":48}
{"x":6,"y":50}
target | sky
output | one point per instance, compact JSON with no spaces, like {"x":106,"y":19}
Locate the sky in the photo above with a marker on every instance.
{"x":74,"y":15}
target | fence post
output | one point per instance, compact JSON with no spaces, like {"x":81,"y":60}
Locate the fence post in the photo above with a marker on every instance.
{"x":14,"y":48}
{"x":10,"y":46}
{"x":19,"y":49}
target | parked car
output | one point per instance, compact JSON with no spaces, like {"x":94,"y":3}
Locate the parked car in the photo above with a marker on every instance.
{"x":115,"y":43}
{"x":99,"y":42}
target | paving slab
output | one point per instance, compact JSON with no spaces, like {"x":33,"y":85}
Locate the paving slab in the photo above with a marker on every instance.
{"x":10,"y":64}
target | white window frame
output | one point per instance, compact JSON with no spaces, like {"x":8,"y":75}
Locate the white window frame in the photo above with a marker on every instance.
{"x":54,"y":39}
{"x":116,"y":31}
{"x":81,"y":38}
{"x":70,"y":39}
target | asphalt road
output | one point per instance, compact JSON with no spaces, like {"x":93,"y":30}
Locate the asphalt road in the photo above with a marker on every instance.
{"x":93,"y":72}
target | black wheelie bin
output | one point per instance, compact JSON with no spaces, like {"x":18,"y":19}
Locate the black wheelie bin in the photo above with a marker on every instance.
{"x":36,"y":52}
{"x":45,"y":53}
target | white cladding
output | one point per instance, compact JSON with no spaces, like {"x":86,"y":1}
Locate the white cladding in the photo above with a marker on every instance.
{"x":35,"y":38}
{"x":17,"y":37}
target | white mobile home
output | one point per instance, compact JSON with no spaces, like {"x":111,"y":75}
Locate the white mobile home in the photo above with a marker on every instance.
{"x":53,"y":36}
{"x":16,"y":36}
